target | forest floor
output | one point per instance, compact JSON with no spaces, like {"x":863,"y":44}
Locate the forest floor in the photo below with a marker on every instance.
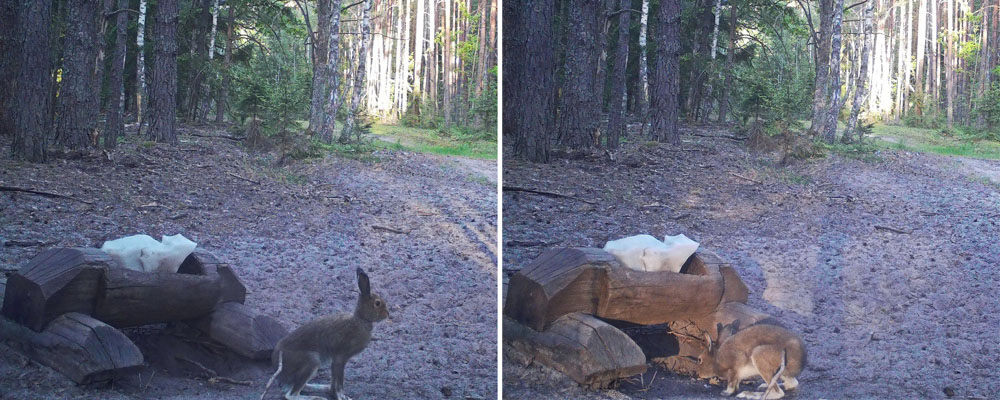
{"x":887,"y":266}
{"x":423,"y":226}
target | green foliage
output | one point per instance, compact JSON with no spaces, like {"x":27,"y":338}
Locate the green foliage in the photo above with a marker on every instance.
{"x":926,"y":121}
{"x":988,"y":107}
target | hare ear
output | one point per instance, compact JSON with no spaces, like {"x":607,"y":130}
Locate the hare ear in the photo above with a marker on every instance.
{"x":363,"y":284}
{"x":708,"y":342}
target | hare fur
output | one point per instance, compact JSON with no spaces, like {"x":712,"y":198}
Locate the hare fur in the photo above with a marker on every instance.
{"x":768,"y":351}
{"x":331,"y":340}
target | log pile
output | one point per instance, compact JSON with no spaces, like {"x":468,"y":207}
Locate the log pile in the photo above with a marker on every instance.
{"x":72,"y":300}
{"x":557,"y":305}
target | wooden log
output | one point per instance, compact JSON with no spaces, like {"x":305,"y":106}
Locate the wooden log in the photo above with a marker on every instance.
{"x":582,"y":347}
{"x":246,"y":332}
{"x":84,"y":349}
{"x":591,"y":281}
{"x":53,"y":283}
{"x":134,"y":298}
{"x":201,"y":262}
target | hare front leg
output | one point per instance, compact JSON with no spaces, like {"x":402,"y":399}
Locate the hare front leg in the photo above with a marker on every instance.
{"x":337,"y":380}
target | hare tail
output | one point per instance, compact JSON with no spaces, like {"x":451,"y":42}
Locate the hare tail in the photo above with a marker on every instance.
{"x":270,"y":381}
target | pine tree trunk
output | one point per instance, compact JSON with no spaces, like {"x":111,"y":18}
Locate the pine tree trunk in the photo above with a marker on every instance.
{"x":223,"y":97}
{"x":616,"y":120}
{"x":859,"y":94}
{"x":78,"y":104}
{"x":949,"y":65}
{"x":580,"y":108}
{"x":163,"y":99}
{"x":666,"y":79}
{"x":418,"y":48}
{"x":830,"y":127}
{"x":114,"y":126}
{"x":8,"y":64}
{"x":350,"y":126}
{"x":447,"y":63}
{"x":921,"y":46}
{"x":32,"y":88}
{"x":730,"y":52}
{"x":822,"y":54}
{"x":529,"y":77}
{"x":431,"y":75}
{"x":321,"y":51}
{"x":333,"y":74}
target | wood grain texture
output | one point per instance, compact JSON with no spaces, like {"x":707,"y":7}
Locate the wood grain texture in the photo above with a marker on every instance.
{"x":586,"y":349}
{"x":246,"y":332}
{"x":84,"y":349}
{"x":133,"y":298}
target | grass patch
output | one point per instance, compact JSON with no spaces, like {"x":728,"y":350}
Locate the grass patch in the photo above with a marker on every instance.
{"x":935,"y":141}
{"x":433,"y":141}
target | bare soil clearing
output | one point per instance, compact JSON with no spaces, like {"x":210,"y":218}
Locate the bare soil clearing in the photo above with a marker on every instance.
{"x":294,"y":235}
{"x":887,"y":269}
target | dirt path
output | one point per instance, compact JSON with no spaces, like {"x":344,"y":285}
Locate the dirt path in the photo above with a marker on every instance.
{"x":295,"y":239}
{"x":884,"y":314}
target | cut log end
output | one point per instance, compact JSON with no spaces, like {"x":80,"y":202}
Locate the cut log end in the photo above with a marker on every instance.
{"x":84,"y":349}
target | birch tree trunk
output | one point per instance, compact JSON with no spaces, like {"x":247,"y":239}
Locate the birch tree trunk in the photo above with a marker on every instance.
{"x":140,"y":64}
{"x":223,"y":97}
{"x":321,"y":52}
{"x":707,"y":105}
{"x":830,"y":127}
{"x":822,"y":54}
{"x":859,"y":94}
{"x":447,"y":62}
{"x":616,"y":120}
{"x":332,"y":73}
{"x":643,"y":68}
{"x":666,"y":79}
{"x":350,"y":126}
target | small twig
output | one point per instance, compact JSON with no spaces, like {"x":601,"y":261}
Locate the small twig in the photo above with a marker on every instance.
{"x":240,"y":177}
{"x":891,"y":229}
{"x":150,"y":381}
{"x":678,"y":217}
{"x":217,"y":379}
{"x":521,"y":243}
{"x":646,"y":388}
{"x":388,"y":229}
{"x":206,"y":370}
{"x":743,"y":177}
{"x":177,"y":216}
{"x":230,"y":137}
{"x":41,"y":193}
{"x":212,"y":376}
{"x":29,"y":243}
{"x":544,"y":193}
{"x":718,"y":136}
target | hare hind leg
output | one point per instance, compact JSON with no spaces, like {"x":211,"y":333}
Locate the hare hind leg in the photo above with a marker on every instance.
{"x":300,"y":367}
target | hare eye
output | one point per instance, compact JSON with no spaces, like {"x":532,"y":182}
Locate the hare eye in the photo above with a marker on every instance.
{"x":378,"y":303}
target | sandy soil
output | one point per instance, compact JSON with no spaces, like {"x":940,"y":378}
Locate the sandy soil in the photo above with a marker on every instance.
{"x":884,"y":314}
{"x":295,"y":235}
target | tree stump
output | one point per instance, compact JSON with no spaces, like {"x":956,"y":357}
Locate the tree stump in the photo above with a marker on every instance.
{"x":246,"y":332}
{"x":586,"y":349}
{"x":591,"y":281}
{"x":53,"y":283}
{"x":84,"y":349}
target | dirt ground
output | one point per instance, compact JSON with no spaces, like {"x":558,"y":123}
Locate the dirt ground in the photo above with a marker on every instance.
{"x":887,"y":268}
{"x":423,"y":226}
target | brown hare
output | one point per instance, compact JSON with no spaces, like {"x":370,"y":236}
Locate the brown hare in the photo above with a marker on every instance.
{"x":329,"y":340}
{"x":767,"y":351}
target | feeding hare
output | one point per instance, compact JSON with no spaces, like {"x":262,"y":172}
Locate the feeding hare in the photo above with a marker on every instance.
{"x":767,"y":351}
{"x":329,"y":340}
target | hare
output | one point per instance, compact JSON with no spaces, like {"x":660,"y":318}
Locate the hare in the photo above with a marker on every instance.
{"x":767,"y":351}
{"x":329,"y":340}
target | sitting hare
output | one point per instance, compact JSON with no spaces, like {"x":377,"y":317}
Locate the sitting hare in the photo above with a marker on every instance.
{"x":767,"y":351}
{"x":329,"y":340}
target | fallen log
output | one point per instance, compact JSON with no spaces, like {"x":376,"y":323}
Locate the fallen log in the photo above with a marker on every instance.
{"x":84,"y":349}
{"x":582,"y":347}
{"x":135,"y":298}
{"x":246,"y":332}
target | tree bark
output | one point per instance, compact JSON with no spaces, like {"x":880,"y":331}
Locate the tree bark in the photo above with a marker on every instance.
{"x":921,"y":44}
{"x":79,"y":99}
{"x":616,"y":120}
{"x":33,"y":86}
{"x":418,"y":48}
{"x":859,"y":94}
{"x":580,"y":108}
{"x":351,"y":124}
{"x":321,"y":50}
{"x":163,"y":102}
{"x":830,"y":127}
{"x":730,"y":52}
{"x":949,"y":64}
{"x":822,"y":55}
{"x":223,"y":97}
{"x":529,"y":81}
{"x":666,"y":79}
{"x":643,"y":66}
{"x":115,"y":124}
{"x":8,"y":64}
